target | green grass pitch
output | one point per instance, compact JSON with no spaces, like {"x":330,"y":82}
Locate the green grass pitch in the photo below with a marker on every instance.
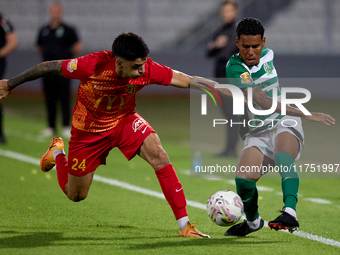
{"x":37,"y":218}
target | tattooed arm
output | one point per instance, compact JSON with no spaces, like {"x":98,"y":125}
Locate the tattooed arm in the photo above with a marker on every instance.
{"x":35,"y":72}
{"x":265,"y":102}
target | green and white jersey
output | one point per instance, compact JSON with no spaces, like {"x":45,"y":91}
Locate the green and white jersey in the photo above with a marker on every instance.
{"x":262,"y":75}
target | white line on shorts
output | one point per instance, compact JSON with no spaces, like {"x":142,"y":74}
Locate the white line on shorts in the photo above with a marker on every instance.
{"x":125,"y":185}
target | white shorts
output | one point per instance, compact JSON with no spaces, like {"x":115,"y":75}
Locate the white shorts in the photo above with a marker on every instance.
{"x":265,"y":140}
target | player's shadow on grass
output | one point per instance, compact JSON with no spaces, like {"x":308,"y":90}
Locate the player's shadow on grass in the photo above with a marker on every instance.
{"x":185,"y":242}
{"x":39,"y":239}
{"x":28,"y":239}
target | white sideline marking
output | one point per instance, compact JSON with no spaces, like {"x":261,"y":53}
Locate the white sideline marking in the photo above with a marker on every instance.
{"x":144,"y":191}
{"x":203,"y":176}
{"x":263,"y":188}
{"x":19,"y":156}
{"x":232,"y":182}
{"x":319,"y":200}
{"x":125,"y":185}
{"x":26,"y":136}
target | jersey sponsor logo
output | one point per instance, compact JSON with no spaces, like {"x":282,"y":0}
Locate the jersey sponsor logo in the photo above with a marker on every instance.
{"x":138,"y":124}
{"x":110,"y":101}
{"x":246,"y":79}
{"x":72,"y":65}
{"x":267,"y":68}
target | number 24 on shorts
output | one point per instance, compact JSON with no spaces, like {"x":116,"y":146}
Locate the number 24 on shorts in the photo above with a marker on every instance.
{"x":78,"y":166}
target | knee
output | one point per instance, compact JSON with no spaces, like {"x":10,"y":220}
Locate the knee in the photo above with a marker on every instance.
{"x":255,"y":179}
{"x":153,"y":152}
{"x":160,"y":159}
{"x":248,"y":176}
{"x":77,"y":197}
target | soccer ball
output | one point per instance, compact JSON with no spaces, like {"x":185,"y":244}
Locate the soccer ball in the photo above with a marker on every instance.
{"x":225,"y":208}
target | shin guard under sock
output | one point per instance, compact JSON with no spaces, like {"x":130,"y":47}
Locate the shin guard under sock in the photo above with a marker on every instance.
{"x":62,"y":170}
{"x":247,"y":190}
{"x":172,"y":190}
{"x":289,"y":179}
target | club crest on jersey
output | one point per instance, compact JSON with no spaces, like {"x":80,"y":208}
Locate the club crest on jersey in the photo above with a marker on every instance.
{"x":267,"y":68}
{"x":246,"y":79}
{"x":131,"y":89}
{"x":72,"y":65}
{"x":138,"y":124}
{"x":59,"y":32}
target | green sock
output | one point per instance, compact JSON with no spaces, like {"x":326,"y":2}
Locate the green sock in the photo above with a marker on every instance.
{"x":247,"y":190}
{"x":289,"y":179}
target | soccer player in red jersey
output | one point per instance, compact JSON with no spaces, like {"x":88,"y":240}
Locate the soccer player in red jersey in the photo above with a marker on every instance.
{"x":104,"y":117}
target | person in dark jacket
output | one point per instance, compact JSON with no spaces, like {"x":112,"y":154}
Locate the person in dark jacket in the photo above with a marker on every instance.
{"x":221,"y":48}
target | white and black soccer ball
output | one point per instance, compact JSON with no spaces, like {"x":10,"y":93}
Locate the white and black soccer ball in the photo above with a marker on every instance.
{"x":225,"y":208}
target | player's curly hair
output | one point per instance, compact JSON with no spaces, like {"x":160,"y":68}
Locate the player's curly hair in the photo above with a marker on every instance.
{"x":129,"y":46}
{"x":250,"y":26}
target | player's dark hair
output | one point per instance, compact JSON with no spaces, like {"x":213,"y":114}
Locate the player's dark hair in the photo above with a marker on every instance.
{"x":250,"y":26}
{"x":129,"y":46}
{"x":233,"y":2}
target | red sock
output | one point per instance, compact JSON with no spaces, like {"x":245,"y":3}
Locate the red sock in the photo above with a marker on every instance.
{"x":62,"y":170}
{"x":172,"y":190}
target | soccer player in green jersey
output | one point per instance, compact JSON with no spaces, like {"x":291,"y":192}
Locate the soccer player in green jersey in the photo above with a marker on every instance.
{"x":267,"y":143}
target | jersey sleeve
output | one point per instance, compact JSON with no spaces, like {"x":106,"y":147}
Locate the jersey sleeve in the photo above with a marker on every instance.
{"x":159,"y":74}
{"x":6,"y":26}
{"x":79,"y":68}
{"x":73,"y":36}
{"x":239,"y":76}
{"x":39,"y":41}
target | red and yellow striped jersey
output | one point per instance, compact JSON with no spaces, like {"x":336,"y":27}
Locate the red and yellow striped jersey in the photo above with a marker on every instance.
{"x":103,"y":96}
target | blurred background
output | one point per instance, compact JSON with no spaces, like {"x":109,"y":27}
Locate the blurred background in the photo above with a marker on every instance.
{"x":304,"y":34}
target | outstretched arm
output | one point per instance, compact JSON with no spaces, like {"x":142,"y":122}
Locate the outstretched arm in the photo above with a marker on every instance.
{"x":266,"y":102}
{"x":35,"y":72}
{"x":182,"y":80}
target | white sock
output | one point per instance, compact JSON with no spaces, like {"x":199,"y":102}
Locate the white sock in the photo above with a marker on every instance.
{"x":254,"y":224}
{"x":183,"y":222}
{"x":291,"y":211}
{"x":56,"y":152}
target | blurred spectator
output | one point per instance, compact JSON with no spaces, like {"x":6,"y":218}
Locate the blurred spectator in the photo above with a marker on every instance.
{"x":57,"y":40}
{"x":8,"y":42}
{"x":222,"y":47}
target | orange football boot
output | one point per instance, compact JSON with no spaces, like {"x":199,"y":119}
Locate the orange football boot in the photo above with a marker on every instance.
{"x":191,"y":231}
{"x":47,"y":161}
